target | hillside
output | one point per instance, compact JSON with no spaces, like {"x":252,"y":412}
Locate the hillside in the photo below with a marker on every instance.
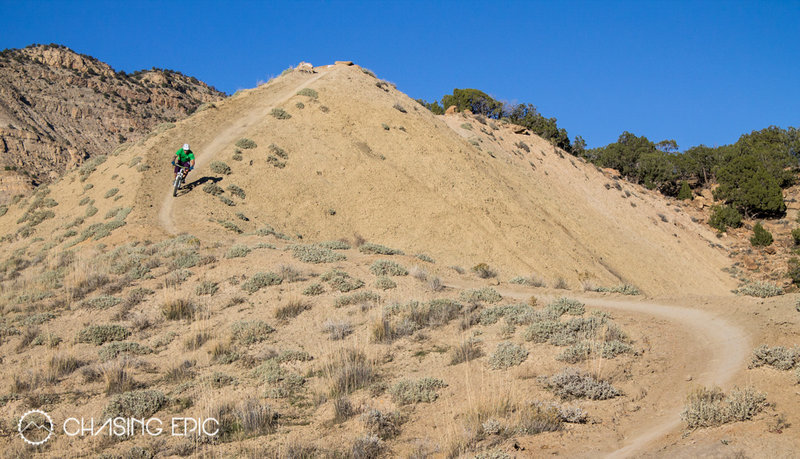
{"x":312,"y":290}
{"x":58,"y":108}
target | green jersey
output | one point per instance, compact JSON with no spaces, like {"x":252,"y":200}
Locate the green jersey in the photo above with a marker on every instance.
{"x":184,"y":155}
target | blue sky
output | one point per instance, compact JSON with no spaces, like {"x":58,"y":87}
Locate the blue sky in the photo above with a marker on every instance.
{"x":693,"y":71}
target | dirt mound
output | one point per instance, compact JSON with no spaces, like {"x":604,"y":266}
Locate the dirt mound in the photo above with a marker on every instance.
{"x":338,"y":152}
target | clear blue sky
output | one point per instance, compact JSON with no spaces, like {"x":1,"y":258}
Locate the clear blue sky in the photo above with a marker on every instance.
{"x":693,"y":71}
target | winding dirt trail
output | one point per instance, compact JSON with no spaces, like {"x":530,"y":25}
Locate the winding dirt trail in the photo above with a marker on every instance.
{"x":236,"y":129}
{"x":718,"y":351}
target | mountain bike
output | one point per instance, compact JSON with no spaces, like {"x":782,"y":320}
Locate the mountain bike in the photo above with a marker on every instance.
{"x":179,"y":180}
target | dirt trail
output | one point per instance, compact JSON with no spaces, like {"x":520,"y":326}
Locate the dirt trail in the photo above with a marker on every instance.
{"x":719,"y":351}
{"x":224,"y":138}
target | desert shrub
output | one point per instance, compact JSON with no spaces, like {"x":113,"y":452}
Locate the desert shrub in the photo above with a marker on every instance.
{"x":101,"y":302}
{"x":260,"y":280}
{"x":308,"y":92}
{"x":113,"y":350}
{"x":213,"y":189}
{"x":507,"y":355}
{"x":90,"y":211}
{"x":178,"y":309}
{"x":539,"y":417}
{"x":384,"y":425}
{"x":425,"y":258}
{"x":206,"y":288}
{"x":251,"y":331}
{"x":337,"y":330}
{"x":245,"y":143}
{"x":378,"y":249}
{"x":226,"y":200}
{"x":796,"y":236}
{"x":356,"y":298}
{"x":761,"y":237}
{"x":613,"y":348}
{"x":778,"y":357}
{"x":61,"y":365}
{"x":236,"y":191}
{"x":292,"y":309}
{"x":134,"y":404}
{"x":484,"y":271}
{"x":723,"y":217}
{"x":625,"y":289}
{"x":349,"y":370}
{"x":425,"y":390}
{"x":90,"y":166}
{"x":516,"y":314}
{"x":483,"y":295}
{"x":387,"y":268}
{"x":793,"y":270}
{"x":399,"y":108}
{"x":314,"y":289}
{"x":4,"y":209}
{"x":111,"y":192}
{"x":569,"y":306}
{"x":237,"y":251}
{"x":341,"y":281}
{"x":342,"y":409}
{"x":230,"y":226}
{"x":100,"y":334}
{"x":385,"y":126}
{"x":467,"y":351}
{"x":710,"y":407}
{"x":280,"y":113}
{"x":335,"y":245}
{"x":219,"y":167}
{"x":578,"y":352}
{"x":315,"y":254}
{"x":760,"y":289}
{"x":571,"y":383}
{"x":368,"y":446}
{"x":385,"y":283}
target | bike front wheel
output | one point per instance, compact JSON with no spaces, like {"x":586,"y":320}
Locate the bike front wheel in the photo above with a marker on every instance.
{"x":176,"y":186}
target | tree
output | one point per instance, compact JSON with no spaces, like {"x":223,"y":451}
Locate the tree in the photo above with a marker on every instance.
{"x":746,"y":184}
{"x":579,"y":147}
{"x":761,"y":237}
{"x":474,"y":100}
{"x":723,"y":217}
{"x":685,"y":192}
{"x":434,"y":107}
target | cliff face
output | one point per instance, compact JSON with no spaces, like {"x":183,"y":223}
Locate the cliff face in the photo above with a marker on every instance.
{"x":58,"y":108}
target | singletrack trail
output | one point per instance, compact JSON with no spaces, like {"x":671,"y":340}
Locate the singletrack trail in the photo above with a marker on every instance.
{"x":718,"y":351}
{"x":222,"y":139}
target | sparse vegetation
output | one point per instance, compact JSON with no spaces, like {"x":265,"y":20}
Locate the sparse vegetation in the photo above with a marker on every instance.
{"x":483,"y":295}
{"x":280,"y":114}
{"x":100,"y":334}
{"x":135,"y":404}
{"x":260,"y":280}
{"x":507,"y":355}
{"x":237,"y":251}
{"x":314,"y":289}
{"x":571,"y":383}
{"x":250,"y":331}
{"x":484,"y":271}
{"x":711,"y":407}
{"x":292,"y":309}
{"x":245,"y":144}
{"x":422,"y":390}
{"x":779,"y":357}
{"x":378,"y":249}
{"x":467,"y":351}
{"x":308,"y":92}
{"x":387,"y":268}
{"x":385,"y":283}
{"x":219,"y":167}
{"x":760,"y":289}
{"x":312,"y":253}
{"x":338,"y":329}
{"x":178,"y":309}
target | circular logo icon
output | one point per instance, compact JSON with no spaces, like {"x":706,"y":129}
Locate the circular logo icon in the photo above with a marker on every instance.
{"x":35,"y":427}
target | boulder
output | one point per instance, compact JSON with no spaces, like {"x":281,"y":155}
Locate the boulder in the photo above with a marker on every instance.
{"x":343,"y":62}
{"x":451,"y":110}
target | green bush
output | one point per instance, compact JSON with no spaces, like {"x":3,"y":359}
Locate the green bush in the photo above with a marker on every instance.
{"x":685,"y":192}
{"x":100,"y":334}
{"x":219,"y":167}
{"x":761,"y":237}
{"x":111,"y":192}
{"x":723,"y":217}
{"x":245,"y":143}
{"x":794,"y":270}
{"x":796,"y":236}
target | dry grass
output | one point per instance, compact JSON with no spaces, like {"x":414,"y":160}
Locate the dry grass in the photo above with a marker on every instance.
{"x":349,"y":370}
{"x":292,"y":308}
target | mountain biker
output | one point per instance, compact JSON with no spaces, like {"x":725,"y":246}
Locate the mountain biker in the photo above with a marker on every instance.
{"x":185,"y":158}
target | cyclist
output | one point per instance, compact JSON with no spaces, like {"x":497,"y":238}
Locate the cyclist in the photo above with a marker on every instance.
{"x":185,"y":158}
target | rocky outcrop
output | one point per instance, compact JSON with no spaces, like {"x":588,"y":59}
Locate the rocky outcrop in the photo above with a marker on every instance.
{"x":58,"y":108}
